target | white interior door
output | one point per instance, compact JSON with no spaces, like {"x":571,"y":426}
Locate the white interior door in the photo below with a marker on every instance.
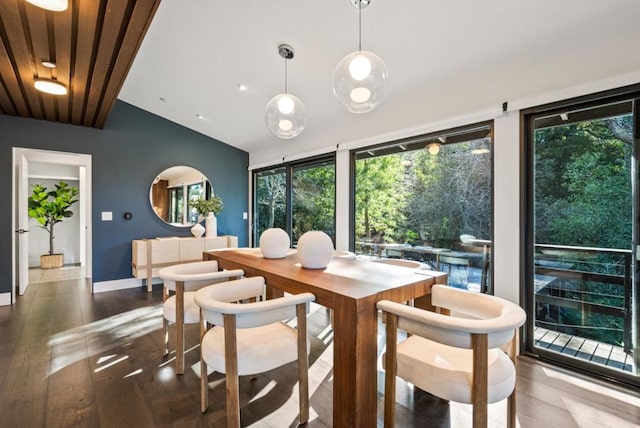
{"x":23,"y":225}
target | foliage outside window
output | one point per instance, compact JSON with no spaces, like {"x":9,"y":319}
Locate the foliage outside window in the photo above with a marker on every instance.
{"x":418,"y":198}
{"x":270,"y":200}
{"x":296,"y":197}
{"x":414,"y":198}
{"x":583,"y":200}
{"x":314,"y":199}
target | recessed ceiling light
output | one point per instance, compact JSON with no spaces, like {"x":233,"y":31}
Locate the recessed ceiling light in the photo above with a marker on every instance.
{"x":242,"y":87}
{"x":54,"y":5}
{"x":49,"y":86}
{"x":48,"y":64}
{"x":199,"y":116}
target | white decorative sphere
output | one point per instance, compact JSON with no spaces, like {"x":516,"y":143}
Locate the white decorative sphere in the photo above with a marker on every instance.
{"x":315,"y":250}
{"x":274,"y":243}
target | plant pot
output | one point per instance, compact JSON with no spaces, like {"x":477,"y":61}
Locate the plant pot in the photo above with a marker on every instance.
{"x":51,"y":261}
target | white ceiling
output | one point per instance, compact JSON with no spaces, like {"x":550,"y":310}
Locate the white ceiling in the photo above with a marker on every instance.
{"x":445,"y":59}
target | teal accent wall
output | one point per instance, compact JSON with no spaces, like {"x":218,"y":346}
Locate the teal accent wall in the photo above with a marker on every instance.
{"x":127,"y":154}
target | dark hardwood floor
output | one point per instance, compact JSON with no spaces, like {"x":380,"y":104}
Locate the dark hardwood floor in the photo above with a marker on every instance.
{"x":69,"y":358}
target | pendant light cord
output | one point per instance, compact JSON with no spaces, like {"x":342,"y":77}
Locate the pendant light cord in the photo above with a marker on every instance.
{"x":360,"y":25}
{"x":285,"y":76}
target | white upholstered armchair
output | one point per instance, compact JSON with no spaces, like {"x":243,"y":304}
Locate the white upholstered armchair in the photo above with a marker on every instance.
{"x":456,"y":357}
{"x":180,"y":283}
{"x":249,"y":338}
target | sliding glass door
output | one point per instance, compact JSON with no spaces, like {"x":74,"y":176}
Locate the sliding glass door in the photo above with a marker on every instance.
{"x":582,"y":293}
{"x":296,"y":197}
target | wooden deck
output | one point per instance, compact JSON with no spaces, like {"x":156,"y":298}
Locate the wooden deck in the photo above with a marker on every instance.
{"x":585,"y":349}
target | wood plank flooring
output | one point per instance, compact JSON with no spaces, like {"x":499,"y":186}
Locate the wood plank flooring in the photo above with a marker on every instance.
{"x":69,"y":358}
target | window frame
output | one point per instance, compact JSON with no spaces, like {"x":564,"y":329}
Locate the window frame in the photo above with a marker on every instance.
{"x":289,"y":168}
{"x":452,"y":135}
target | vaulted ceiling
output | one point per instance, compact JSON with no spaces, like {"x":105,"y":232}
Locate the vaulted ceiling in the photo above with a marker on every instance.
{"x":92,"y":44}
{"x":446,"y":59}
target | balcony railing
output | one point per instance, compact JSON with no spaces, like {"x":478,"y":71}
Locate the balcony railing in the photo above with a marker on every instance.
{"x":586,"y":292}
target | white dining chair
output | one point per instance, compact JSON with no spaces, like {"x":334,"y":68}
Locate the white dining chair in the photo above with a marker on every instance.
{"x":250,"y":338}
{"x":456,"y":357}
{"x":180,"y":283}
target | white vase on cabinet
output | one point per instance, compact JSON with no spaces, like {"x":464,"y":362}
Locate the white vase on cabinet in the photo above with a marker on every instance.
{"x":197,"y":230}
{"x":211,"y":225}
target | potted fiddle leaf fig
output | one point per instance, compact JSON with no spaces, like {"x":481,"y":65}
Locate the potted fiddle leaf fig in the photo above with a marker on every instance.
{"x":49,"y":207}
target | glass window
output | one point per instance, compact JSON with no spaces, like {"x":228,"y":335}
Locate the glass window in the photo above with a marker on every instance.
{"x":270,"y":200}
{"x":297,"y":197}
{"x":314,"y":196}
{"x":428,"y":198}
{"x":176,"y":204}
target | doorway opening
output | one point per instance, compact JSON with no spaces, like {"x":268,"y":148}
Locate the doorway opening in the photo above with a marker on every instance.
{"x":33,"y":165}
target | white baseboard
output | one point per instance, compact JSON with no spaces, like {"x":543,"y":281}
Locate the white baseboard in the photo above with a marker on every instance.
{"x":116,"y":284}
{"x":5,"y":299}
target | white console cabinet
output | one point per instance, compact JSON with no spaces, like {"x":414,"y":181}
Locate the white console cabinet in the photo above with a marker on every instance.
{"x":161,"y":252}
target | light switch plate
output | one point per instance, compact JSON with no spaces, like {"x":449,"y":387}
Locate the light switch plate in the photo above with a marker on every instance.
{"x":245,"y":216}
{"x":107,"y":216}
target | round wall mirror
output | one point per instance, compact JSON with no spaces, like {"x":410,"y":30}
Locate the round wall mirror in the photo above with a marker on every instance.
{"x":171,"y":192}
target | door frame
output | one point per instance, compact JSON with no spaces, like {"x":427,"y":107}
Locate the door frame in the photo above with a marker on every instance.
{"x":628,"y":93}
{"x":83,"y":161}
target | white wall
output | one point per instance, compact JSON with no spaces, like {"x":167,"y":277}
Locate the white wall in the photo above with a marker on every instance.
{"x":66,"y":233}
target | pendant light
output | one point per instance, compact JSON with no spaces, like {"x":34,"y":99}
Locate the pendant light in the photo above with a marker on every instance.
{"x":360,"y":79}
{"x":285,"y":114}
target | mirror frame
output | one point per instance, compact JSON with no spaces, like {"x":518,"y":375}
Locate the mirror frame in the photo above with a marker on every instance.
{"x":171,"y":190}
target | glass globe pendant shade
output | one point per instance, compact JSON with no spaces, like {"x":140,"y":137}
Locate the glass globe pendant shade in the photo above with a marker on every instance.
{"x":360,"y":81}
{"x":285,"y":116}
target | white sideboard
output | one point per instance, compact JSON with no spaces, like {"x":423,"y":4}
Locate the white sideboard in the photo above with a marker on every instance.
{"x":161,"y":252}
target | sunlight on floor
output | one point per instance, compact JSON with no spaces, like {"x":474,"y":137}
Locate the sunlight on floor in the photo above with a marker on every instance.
{"x":92,"y":339}
{"x":588,"y":416}
{"x":38,"y":276}
{"x":572,"y":379}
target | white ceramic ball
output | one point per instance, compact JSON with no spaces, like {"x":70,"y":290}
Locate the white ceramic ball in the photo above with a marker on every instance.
{"x":274,"y":243}
{"x":315,"y":250}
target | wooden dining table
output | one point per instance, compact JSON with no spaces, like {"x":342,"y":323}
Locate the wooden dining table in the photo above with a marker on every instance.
{"x":351,"y":288}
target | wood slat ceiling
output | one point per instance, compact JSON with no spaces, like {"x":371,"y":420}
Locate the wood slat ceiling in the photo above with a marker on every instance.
{"x":93,"y":44}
